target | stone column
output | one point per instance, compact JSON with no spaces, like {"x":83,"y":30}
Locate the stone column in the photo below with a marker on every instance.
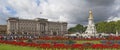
{"x":37,"y":27}
{"x":46,"y":28}
{"x":61,"y":29}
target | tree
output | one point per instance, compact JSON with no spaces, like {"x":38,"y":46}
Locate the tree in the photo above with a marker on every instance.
{"x":117,"y":25}
{"x":107,"y":27}
{"x":111,"y":27}
{"x":72,"y":29}
{"x":101,"y":27}
{"x":78,"y":28}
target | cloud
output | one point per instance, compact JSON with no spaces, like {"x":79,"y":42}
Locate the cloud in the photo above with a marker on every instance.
{"x":72,"y":11}
{"x":113,"y":19}
{"x":11,"y":10}
{"x":37,"y":2}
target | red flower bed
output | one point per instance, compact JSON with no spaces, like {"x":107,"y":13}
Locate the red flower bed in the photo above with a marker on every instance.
{"x":47,"y":45}
{"x":77,"y":46}
{"x":32,"y":44}
{"x":115,"y":46}
{"x":97,"y":46}
{"x":59,"y":46}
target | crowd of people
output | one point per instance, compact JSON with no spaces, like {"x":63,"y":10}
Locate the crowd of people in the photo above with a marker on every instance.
{"x":18,"y":36}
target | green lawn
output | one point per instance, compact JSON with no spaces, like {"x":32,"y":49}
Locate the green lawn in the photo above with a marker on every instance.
{"x":84,"y":41}
{"x":12,"y":47}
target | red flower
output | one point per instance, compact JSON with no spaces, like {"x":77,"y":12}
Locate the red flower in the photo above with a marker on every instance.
{"x":33,"y":44}
{"x":59,"y":46}
{"x":45,"y":45}
{"x":115,"y":46}
{"x":77,"y":46}
{"x":97,"y":46}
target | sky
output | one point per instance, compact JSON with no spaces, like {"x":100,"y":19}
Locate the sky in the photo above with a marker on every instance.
{"x":71,"y":11}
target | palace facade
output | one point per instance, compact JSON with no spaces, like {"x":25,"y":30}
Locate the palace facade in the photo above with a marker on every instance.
{"x":35,"y":26}
{"x":3,"y":29}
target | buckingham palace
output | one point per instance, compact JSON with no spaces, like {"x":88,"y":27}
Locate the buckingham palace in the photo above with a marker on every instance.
{"x":35,"y":26}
